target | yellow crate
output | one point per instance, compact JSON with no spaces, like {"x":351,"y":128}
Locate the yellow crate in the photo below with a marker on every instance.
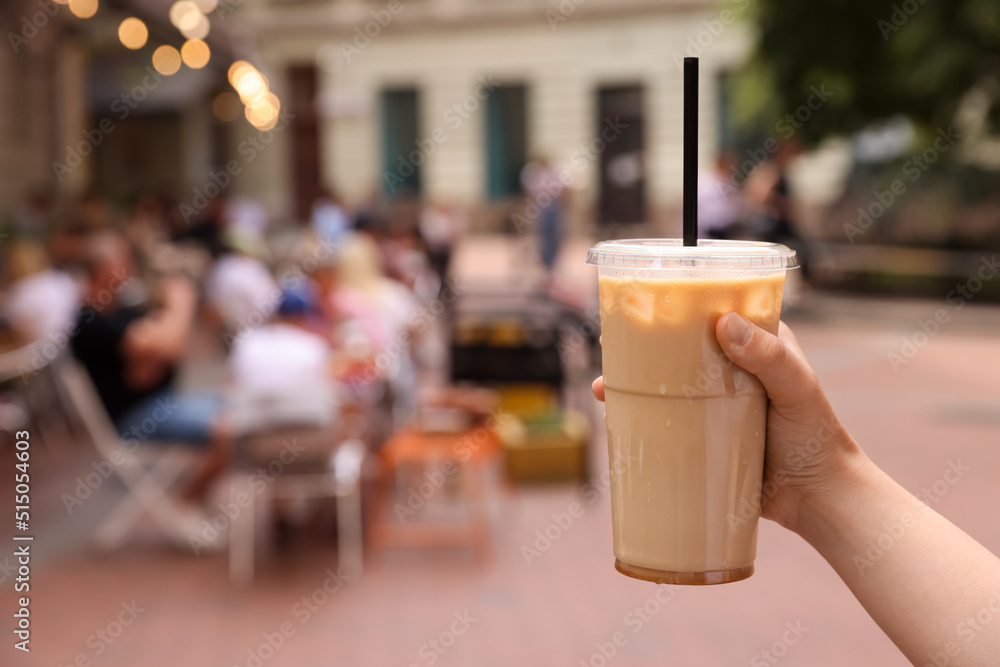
{"x":527,"y":400}
{"x":546,"y":451}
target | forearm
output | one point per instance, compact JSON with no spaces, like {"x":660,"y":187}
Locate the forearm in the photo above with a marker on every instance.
{"x":933,"y":589}
{"x":160,"y":336}
{"x":175,"y":325}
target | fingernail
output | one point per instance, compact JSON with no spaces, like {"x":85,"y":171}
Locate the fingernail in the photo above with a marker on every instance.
{"x":738,"y":329}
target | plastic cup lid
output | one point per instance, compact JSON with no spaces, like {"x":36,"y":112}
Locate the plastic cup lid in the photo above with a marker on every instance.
{"x":709,"y":254}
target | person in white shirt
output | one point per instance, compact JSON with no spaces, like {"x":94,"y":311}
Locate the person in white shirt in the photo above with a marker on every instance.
{"x":282,"y":373}
{"x":241,"y":288}
{"x":41,"y":302}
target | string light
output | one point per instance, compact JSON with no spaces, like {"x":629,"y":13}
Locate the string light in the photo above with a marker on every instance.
{"x":262,"y":107}
{"x":133,"y":33}
{"x":195,"y":53}
{"x":251,"y":86}
{"x":196,"y":27}
{"x":83,"y":9}
{"x":263,"y":114}
{"x":184,"y":13}
{"x":235,"y":69}
{"x":166,"y":60}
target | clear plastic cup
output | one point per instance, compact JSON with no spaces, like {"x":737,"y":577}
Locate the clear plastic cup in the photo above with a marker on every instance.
{"x":686,"y":427}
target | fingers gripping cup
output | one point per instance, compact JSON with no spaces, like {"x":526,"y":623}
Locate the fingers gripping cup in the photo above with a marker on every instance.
{"x":686,"y":426}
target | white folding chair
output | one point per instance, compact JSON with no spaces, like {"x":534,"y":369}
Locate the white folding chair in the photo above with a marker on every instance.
{"x":147,"y":471}
{"x":341,"y":480}
{"x":32,"y":383}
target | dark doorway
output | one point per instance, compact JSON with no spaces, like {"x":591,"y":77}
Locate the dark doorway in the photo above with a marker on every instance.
{"x":401,"y":155}
{"x":619,"y":125}
{"x":506,"y":140}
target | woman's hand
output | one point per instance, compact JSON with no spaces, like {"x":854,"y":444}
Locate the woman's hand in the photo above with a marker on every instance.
{"x":806,"y":445}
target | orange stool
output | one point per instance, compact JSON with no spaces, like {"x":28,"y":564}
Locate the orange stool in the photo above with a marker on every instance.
{"x":468,"y":454}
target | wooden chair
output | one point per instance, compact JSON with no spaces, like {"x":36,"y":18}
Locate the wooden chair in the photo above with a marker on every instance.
{"x":472,"y":452}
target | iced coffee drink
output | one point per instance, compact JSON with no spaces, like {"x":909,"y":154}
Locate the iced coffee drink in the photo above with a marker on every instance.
{"x":686,"y":427}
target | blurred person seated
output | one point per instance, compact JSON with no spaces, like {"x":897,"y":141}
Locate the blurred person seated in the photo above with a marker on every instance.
{"x":769,"y":195}
{"x":240,"y":287}
{"x":40,"y":302}
{"x":282,"y":373}
{"x":147,"y":223}
{"x":245,"y":215}
{"x":329,"y":219}
{"x":33,"y":214}
{"x":203,"y":225}
{"x":405,"y":261}
{"x":311,"y":272}
{"x":88,"y":215}
{"x":365,"y":292}
{"x":95,"y":212}
{"x":132,"y":355}
{"x":380,"y":316}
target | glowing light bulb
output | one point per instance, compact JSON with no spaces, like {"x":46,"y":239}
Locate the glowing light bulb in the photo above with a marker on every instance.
{"x":166,"y":60}
{"x":83,"y":9}
{"x":195,"y":53}
{"x":133,"y":33}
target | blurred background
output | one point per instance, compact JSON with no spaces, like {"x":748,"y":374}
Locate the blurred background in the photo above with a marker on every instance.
{"x":296,"y":320}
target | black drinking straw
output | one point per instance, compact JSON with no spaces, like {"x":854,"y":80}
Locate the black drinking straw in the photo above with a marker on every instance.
{"x":690,"y":151}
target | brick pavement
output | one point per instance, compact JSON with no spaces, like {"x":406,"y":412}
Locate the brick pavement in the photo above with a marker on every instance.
{"x":941,"y":406}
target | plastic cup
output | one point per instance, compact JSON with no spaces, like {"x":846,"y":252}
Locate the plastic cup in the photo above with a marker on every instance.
{"x":686,"y":427}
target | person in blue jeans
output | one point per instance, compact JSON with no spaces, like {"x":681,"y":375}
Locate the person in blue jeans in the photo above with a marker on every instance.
{"x":936,"y":591}
{"x":132,"y":353}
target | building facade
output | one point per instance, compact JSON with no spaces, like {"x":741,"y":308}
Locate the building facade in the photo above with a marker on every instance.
{"x":446,"y":99}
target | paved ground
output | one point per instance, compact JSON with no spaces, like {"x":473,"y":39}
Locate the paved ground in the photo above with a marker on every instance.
{"x":444,"y":608}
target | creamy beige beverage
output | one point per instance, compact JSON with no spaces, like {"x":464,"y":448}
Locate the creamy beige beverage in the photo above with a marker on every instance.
{"x":685,"y":426}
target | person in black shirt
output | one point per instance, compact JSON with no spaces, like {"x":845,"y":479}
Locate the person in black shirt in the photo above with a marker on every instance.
{"x":132,"y":356}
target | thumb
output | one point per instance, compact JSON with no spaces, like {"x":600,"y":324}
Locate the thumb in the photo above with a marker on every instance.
{"x":784,"y":374}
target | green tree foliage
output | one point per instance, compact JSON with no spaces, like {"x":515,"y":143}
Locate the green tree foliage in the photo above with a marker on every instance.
{"x":880,"y":58}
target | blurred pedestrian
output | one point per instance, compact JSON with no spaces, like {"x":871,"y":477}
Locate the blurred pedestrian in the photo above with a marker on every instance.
{"x":441,"y":225}
{"x":718,"y":199}
{"x":541,"y":185}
